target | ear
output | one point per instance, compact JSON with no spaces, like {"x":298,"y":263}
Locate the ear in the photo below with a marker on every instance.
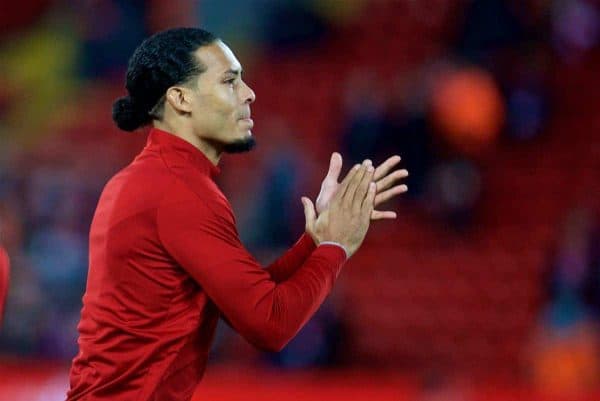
{"x":179,"y":98}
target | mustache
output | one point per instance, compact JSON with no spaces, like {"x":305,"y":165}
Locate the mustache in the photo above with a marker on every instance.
{"x":245,"y":114}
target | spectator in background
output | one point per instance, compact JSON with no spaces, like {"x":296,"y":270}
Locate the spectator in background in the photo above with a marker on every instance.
{"x":280,"y":172}
{"x":57,"y":245}
{"x":57,"y":249}
{"x":566,"y":350}
{"x":575,"y":27}
{"x":364,"y":111}
{"x":573,"y":261}
{"x":489,"y":27}
{"x":454,"y":192}
{"x":527,"y":100}
{"x":291,"y":25}
{"x":25,"y":303}
{"x":407,"y":130}
{"x":110,"y":31}
{"x":283,"y":181}
{"x":508,"y":38}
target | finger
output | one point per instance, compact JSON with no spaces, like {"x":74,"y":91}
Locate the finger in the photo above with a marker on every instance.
{"x":389,"y":179}
{"x":354,"y":184}
{"x":335,"y":167}
{"x":363,"y":187}
{"x":385,"y":167}
{"x":368,"y":203}
{"x":390,"y":193}
{"x":341,"y":192}
{"x":382,"y":215}
{"x":309,"y":213}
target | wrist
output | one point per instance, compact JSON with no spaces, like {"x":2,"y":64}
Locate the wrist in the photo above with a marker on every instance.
{"x":336,"y":244}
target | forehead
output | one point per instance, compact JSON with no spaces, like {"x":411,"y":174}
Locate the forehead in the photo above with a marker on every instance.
{"x":218,"y":58}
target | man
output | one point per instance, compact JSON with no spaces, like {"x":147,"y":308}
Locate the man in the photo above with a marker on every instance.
{"x":165,"y":258}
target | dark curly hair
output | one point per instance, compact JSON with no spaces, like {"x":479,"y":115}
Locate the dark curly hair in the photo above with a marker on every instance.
{"x":161,"y":61}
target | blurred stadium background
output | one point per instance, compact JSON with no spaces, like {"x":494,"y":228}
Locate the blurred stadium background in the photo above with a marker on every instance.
{"x":487,"y":287}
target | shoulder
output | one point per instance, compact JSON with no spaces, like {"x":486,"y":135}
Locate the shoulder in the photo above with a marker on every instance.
{"x":190,"y":203}
{"x":186,"y":213}
{"x":136,"y":188}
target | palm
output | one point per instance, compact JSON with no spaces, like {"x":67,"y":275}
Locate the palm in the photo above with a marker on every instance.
{"x":382,"y":177}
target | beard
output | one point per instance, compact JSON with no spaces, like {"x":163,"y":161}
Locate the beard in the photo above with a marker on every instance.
{"x":240,"y":145}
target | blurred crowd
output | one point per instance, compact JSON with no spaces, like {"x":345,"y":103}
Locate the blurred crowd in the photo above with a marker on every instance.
{"x":489,"y":82}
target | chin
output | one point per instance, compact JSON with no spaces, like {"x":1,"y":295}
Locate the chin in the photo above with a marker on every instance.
{"x":240,"y":145}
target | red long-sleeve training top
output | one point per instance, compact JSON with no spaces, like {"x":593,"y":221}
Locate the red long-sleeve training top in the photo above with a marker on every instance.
{"x":165,"y":262}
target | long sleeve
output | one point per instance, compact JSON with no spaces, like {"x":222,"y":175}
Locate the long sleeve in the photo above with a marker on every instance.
{"x":204,"y":241}
{"x":283,"y":268}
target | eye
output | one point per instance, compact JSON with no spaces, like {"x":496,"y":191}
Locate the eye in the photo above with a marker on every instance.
{"x":230,"y":81}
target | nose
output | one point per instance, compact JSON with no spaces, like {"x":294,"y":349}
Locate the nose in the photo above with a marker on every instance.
{"x":249,"y":95}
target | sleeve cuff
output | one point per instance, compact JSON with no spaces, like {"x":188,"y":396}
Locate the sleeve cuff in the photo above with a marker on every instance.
{"x":336,"y":244}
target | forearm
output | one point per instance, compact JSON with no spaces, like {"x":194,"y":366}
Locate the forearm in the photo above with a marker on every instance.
{"x":269,"y":315}
{"x":288,"y":263}
{"x":293,"y":258}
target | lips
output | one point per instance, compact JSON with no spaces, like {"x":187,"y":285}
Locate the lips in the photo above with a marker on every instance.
{"x":247,"y":120}
{"x":245,"y":117}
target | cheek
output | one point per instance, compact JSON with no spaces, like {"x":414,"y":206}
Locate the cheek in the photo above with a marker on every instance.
{"x":216,"y":111}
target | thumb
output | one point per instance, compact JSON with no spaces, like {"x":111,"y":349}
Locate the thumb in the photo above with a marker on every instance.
{"x":335,"y":167}
{"x":309,"y":213}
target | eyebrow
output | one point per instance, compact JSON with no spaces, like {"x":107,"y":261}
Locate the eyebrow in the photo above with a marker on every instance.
{"x":234,"y":72}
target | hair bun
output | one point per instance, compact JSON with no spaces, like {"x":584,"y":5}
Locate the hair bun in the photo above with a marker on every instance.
{"x":128,"y":115}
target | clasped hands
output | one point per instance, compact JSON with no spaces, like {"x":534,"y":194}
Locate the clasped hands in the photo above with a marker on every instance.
{"x":344,"y":210}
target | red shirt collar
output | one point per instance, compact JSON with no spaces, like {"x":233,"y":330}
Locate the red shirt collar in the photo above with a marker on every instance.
{"x":172,"y":142}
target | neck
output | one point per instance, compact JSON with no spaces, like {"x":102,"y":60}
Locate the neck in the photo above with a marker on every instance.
{"x":187,"y":134}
